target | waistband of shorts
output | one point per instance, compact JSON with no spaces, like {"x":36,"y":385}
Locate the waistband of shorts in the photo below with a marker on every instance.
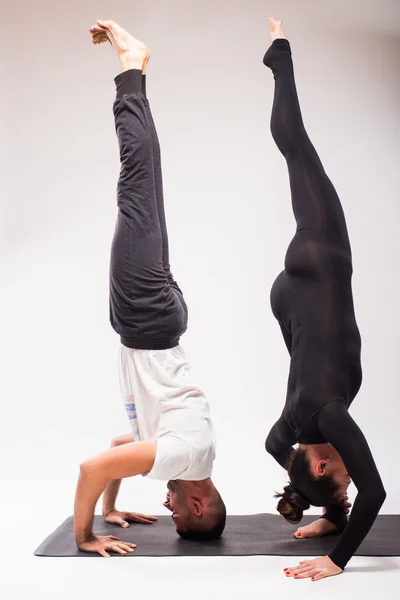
{"x":141,"y":343}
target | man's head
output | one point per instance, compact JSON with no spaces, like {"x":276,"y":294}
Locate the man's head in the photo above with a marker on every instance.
{"x":198,"y":510}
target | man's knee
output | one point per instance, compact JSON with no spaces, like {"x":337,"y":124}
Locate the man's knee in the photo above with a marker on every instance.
{"x":122,"y":439}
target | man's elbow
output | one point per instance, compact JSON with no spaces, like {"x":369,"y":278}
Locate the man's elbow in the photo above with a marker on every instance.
{"x":87,"y":468}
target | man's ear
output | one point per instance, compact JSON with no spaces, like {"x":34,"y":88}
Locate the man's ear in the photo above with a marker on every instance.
{"x":320,"y":467}
{"x":195,"y":507}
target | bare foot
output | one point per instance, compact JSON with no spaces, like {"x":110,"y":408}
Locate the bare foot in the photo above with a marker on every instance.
{"x":132,"y":54}
{"x":317,"y":528}
{"x":275,"y":29}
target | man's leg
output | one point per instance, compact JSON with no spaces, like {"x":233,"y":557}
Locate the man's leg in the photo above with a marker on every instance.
{"x":137,"y":279}
{"x":144,"y":309}
{"x":159,"y":187}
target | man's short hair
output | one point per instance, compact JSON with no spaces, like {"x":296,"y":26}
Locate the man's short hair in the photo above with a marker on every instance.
{"x":210,"y":529}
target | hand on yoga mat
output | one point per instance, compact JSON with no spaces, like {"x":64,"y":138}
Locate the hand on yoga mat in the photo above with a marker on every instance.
{"x":117,"y":517}
{"x":318,"y":568}
{"x":102,"y":543}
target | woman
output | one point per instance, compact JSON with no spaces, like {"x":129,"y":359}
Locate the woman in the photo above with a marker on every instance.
{"x":312,"y":301}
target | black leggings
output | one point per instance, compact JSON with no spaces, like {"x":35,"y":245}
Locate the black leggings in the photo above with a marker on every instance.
{"x":312,"y":298}
{"x":147,"y":308}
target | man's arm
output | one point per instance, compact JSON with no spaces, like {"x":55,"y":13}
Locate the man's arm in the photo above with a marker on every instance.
{"x":116,"y":463}
{"x":110,"y":513}
{"x":112,"y":487}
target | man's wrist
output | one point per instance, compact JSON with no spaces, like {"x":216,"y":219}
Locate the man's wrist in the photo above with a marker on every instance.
{"x":107,"y":511}
{"x":84,"y":537}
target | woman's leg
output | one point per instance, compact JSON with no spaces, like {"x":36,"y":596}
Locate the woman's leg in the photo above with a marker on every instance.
{"x":316,"y":206}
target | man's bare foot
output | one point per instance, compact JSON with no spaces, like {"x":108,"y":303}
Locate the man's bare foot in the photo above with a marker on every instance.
{"x":275,"y":29}
{"x":132,"y":54}
{"x":317,"y":528}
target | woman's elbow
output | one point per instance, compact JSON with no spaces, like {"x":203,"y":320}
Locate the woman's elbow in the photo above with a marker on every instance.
{"x":379,"y":495}
{"x":382,"y":495}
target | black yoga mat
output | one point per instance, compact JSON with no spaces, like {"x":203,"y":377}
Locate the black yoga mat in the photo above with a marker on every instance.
{"x":245,"y":535}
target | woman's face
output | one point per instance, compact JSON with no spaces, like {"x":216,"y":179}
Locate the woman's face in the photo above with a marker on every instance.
{"x":335,"y":467}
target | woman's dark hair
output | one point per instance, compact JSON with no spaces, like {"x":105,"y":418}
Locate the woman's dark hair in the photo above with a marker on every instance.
{"x":304,"y":489}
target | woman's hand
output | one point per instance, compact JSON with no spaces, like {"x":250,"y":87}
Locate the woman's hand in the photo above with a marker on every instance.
{"x":102,"y":543}
{"x":318,"y":568}
{"x":117,"y":517}
{"x":346,"y":503}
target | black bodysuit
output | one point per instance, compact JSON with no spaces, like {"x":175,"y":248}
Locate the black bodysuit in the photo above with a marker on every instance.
{"x":312,"y":301}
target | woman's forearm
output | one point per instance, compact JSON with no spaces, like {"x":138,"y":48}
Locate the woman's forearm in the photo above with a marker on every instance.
{"x":90,"y":486}
{"x":364,"y":513}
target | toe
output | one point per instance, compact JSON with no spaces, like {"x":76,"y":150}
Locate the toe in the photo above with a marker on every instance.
{"x":111,"y":25}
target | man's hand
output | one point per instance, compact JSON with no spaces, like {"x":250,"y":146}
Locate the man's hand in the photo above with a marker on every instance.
{"x":117,"y":517}
{"x":167,"y":501}
{"x":101,"y":543}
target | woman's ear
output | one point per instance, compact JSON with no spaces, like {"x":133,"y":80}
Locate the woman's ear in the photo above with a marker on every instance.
{"x":320,"y":467}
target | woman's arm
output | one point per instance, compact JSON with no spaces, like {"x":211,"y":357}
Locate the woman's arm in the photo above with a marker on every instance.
{"x":340,"y":430}
{"x":279,"y":442}
{"x":116,"y":463}
{"x":336,"y":514}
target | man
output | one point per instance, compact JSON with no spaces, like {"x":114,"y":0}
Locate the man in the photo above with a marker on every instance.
{"x":172,"y":435}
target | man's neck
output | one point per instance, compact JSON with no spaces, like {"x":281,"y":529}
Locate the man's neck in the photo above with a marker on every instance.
{"x":203,"y":486}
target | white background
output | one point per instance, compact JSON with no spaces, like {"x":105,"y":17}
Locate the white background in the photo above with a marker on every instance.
{"x":230,"y":221}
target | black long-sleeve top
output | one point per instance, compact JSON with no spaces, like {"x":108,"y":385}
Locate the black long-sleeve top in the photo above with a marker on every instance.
{"x":333,"y":424}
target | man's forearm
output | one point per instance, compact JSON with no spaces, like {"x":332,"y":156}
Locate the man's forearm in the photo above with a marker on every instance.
{"x":89,"y":489}
{"x":127,"y":460}
{"x":112,"y":487}
{"x":110,"y":495}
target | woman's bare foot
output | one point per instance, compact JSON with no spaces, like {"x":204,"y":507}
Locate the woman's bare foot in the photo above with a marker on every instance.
{"x":275,"y":29}
{"x":132,"y":54}
{"x":317,"y":528}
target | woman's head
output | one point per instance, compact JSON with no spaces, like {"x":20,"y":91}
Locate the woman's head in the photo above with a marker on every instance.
{"x":317,"y":476}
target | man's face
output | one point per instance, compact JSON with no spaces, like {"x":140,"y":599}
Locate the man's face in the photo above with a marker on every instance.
{"x":176,"y":502}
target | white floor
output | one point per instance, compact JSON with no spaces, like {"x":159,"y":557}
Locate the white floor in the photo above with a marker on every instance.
{"x":204,"y":578}
{"x":24,"y":575}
